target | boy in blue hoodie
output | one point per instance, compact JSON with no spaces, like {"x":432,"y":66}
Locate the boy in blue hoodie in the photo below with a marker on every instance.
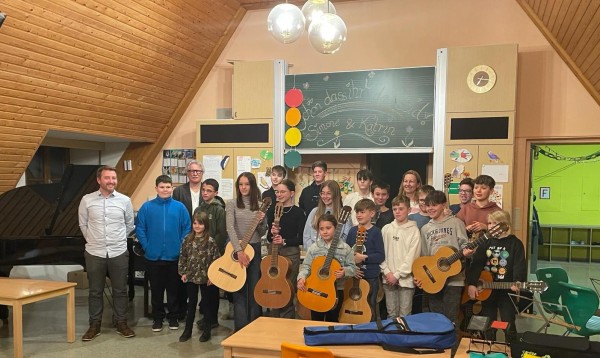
{"x":162,"y":225}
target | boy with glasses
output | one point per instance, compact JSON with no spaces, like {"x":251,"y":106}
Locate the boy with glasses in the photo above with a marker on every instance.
{"x":465,"y":195}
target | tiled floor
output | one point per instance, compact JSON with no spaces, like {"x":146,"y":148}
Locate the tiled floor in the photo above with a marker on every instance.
{"x":44,"y":328}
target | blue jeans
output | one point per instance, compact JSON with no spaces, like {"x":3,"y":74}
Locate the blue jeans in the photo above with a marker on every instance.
{"x":117,"y":269}
{"x":245,"y":308}
{"x":372,"y":296}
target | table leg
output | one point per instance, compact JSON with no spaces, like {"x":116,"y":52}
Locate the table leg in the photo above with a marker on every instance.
{"x":227,"y":352}
{"x":71,"y":315}
{"x":18,"y":329}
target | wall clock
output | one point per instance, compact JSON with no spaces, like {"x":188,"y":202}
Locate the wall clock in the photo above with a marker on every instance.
{"x":481,"y":79}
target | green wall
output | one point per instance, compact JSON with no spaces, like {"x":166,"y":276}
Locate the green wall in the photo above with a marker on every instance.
{"x":574,"y":186}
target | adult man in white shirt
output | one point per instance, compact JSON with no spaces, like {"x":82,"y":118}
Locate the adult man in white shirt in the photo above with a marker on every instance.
{"x":106,"y":219}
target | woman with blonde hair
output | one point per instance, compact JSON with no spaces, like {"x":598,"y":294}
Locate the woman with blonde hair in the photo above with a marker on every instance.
{"x":411,"y":181}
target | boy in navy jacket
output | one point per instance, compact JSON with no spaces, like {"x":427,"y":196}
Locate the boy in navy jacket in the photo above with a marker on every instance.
{"x":374,"y":253}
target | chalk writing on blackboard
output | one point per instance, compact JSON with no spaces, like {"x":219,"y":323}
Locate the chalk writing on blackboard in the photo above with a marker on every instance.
{"x":365,"y":109}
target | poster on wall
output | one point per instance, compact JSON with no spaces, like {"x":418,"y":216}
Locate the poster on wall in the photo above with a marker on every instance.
{"x":175,"y":162}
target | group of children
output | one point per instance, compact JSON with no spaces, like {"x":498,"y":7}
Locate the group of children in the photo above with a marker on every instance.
{"x":418,"y":223}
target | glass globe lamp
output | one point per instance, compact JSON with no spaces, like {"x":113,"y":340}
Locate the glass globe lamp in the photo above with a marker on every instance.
{"x":327,"y":34}
{"x":285,"y":23}
{"x":313,"y":9}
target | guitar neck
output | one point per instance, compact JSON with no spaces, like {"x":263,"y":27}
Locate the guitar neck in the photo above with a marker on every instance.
{"x":251,"y":228}
{"x":501,"y":285}
{"x":458,"y":255}
{"x":334,"y":244}
{"x":275,"y":247}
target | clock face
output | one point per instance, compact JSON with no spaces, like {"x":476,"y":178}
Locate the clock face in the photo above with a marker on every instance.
{"x":481,"y":79}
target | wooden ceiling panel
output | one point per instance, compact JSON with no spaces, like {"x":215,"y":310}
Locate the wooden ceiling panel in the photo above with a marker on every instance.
{"x":573,"y":28}
{"x":117,"y":68}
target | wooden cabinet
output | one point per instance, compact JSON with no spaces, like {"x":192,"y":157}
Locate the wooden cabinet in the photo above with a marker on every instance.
{"x":253,"y":89}
{"x":570,"y":243}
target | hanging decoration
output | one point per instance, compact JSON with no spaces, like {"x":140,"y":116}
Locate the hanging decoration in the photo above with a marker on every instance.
{"x":326,"y":30}
{"x":293,"y":136}
{"x":285,"y":23}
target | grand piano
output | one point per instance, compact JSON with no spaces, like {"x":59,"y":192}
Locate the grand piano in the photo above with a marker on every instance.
{"x":39,"y":225}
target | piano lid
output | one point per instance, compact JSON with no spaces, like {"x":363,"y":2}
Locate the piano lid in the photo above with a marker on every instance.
{"x":40,"y":210}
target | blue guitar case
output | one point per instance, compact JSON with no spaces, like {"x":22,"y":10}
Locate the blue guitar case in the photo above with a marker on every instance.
{"x":431,"y":331}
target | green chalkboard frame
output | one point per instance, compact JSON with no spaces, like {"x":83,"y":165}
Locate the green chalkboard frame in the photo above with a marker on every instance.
{"x":375,"y":110}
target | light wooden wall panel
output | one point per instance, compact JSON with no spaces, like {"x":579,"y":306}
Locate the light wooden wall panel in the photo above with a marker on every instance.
{"x":119,"y":68}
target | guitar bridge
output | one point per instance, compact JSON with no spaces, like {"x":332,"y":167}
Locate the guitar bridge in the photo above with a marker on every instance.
{"x":318,"y":293}
{"x":228,"y":273}
{"x":358,"y":313}
{"x":426,"y":269}
{"x":271,"y":292}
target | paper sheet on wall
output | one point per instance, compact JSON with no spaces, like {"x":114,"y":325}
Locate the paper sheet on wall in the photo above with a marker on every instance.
{"x":226,"y":189}
{"x":498,"y":172}
{"x":244,"y":164}
{"x":497,"y":195}
{"x":264,"y":181}
{"x":212,"y":167}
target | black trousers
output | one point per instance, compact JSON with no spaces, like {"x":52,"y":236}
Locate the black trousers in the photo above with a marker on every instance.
{"x":163,"y":277}
{"x":209,"y":302}
{"x":500,"y":302}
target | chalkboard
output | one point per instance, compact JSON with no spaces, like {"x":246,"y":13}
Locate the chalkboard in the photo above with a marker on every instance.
{"x":375,"y":109}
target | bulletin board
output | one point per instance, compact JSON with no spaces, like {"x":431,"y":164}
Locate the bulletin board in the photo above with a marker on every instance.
{"x":175,"y":163}
{"x":238,"y":151}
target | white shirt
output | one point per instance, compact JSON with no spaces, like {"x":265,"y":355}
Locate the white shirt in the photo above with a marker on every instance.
{"x":105,"y":223}
{"x":352,"y":199}
{"x":195,"y":199}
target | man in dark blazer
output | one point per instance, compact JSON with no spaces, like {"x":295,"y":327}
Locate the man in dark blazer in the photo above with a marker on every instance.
{"x":189,"y":194}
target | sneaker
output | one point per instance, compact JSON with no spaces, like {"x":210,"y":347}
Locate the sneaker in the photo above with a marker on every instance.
{"x":92,"y":332}
{"x":157,"y":326}
{"x":174,"y":324}
{"x":124,"y":330}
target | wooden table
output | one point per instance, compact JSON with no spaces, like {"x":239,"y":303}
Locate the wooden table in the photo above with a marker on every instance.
{"x":263,"y":338}
{"x":19,"y":292}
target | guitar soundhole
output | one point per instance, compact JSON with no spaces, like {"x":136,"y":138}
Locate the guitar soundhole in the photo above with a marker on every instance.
{"x":355,"y":294}
{"x":273,"y":271}
{"x":324,"y":272}
{"x":443,"y":264}
{"x":234,"y":256}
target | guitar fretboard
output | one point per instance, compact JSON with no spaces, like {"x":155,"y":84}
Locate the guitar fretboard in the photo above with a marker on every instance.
{"x":275,"y":247}
{"x":486,"y":235}
{"x":501,"y":285}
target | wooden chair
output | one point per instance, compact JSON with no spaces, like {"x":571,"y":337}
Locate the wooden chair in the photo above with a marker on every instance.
{"x":290,"y":350}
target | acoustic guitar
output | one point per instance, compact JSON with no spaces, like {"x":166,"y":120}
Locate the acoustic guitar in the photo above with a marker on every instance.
{"x":486,"y":284}
{"x":226,"y":272}
{"x":433,"y":271}
{"x":274,"y":289}
{"x":320,"y":294}
{"x":355,"y":308}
